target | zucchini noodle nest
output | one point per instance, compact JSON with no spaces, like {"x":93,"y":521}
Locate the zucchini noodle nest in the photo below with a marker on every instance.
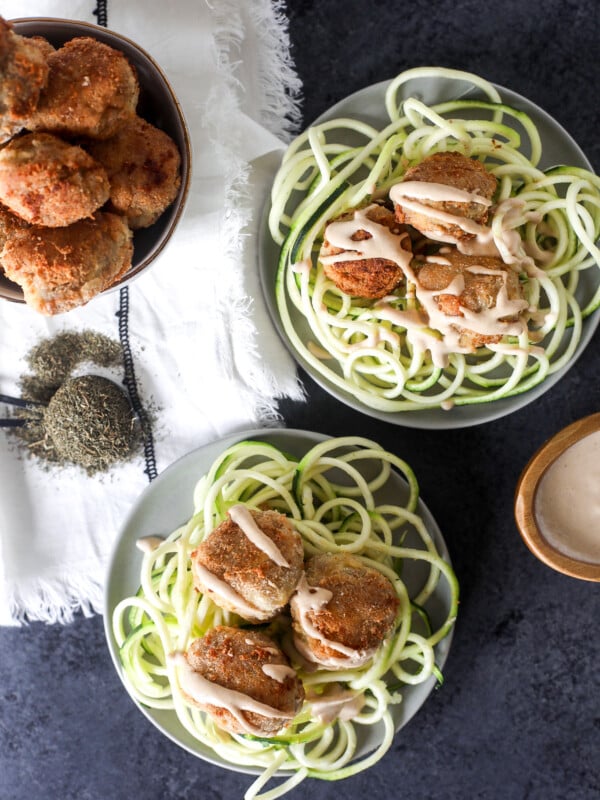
{"x":337,"y":498}
{"x":343,"y":164}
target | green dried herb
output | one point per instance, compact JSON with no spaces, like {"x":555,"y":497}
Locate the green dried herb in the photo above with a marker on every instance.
{"x":90,"y":422}
{"x":86,"y":420}
{"x":53,"y":360}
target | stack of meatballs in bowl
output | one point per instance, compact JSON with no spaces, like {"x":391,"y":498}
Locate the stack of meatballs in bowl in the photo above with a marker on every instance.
{"x":94,"y":162}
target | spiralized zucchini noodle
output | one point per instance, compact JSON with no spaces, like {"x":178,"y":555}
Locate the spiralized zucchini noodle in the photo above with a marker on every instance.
{"x":336,"y":495}
{"x":343,"y":164}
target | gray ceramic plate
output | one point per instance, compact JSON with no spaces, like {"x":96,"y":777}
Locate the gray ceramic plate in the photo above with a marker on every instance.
{"x":368,"y":105}
{"x":157,"y":104}
{"x":167,"y":503}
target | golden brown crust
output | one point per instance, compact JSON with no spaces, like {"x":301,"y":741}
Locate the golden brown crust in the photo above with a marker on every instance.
{"x":62,"y":268}
{"x":234,"y":658}
{"x":23,"y":75}
{"x":48,"y":182}
{"x":42,"y":44}
{"x":361,"y":612}
{"x":143,"y":165}
{"x":230,"y":556}
{"x":368,"y":277}
{"x":9,"y":224}
{"x":456,"y":170}
{"x":480,"y":289}
{"x":92,"y":90}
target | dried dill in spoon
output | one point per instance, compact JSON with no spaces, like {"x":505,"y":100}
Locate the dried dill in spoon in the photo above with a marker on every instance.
{"x":90,"y":422}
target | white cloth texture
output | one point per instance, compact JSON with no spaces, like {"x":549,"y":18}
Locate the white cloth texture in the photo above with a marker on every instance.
{"x":208,"y":360}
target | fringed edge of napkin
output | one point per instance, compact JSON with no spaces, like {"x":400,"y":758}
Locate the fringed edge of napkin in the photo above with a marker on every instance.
{"x":56,"y":601}
{"x":279,"y":113}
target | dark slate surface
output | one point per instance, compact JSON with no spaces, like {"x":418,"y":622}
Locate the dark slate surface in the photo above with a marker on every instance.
{"x":519,"y":714}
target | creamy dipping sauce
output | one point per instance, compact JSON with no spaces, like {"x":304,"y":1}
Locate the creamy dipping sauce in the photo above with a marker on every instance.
{"x":567,"y":501}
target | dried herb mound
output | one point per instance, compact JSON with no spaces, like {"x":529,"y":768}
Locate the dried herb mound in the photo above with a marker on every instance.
{"x":91,"y":423}
{"x":53,"y":360}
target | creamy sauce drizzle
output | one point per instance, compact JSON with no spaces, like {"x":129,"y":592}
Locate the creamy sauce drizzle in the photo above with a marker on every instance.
{"x":309,"y":599}
{"x":567,"y":501}
{"x":148,"y":544}
{"x":335,"y":703}
{"x":278,"y":672}
{"x":247,"y":524}
{"x":222,"y":589}
{"x":205,"y":692}
{"x":435,"y":192}
{"x":382,"y":243}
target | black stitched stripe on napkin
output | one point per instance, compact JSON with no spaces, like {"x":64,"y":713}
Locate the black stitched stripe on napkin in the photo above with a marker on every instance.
{"x":101,"y":12}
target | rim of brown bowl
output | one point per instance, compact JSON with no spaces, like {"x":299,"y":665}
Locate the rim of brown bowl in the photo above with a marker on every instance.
{"x":146,"y":240}
{"x":525,"y":493}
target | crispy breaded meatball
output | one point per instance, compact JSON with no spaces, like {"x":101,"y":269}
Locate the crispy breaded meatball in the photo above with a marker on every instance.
{"x":61,"y":268}
{"x":43,"y":44}
{"x":342,"y":611}
{"x":372,"y":276}
{"x":250,"y":564}
{"x":143,"y":165}
{"x":23,"y":75}
{"x":49,"y":182}
{"x":452,"y":170}
{"x":9,"y":224}
{"x":92,"y":89}
{"x":242,"y":680}
{"x":482,"y":279}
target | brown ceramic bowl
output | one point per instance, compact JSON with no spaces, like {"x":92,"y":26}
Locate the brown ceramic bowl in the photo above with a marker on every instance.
{"x":525,"y":500}
{"x":157,"y":104}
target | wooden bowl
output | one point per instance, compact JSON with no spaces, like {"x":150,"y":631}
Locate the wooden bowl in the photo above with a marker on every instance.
{"x":157,"y":104}
{"x":528,"y":522}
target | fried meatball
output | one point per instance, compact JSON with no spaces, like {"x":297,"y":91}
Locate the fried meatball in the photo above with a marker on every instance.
{"x":23,"y":75}
{"x":42,"y":44}
{"x":372,"y":276}
{"x":342,"y":611}
{"x":485,"y":289}
{"x":143,"y":166}
{"x":48,"y":182}
{"x":250,"y":564}
{"x":242,"y":680}
{"x":9,"y":224}
{"x":61,"y":268}
{"x":92,"y":90}
{"x":462,"y":190}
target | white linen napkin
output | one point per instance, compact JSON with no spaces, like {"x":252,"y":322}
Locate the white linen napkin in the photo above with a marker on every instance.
{"x":207,"y":358}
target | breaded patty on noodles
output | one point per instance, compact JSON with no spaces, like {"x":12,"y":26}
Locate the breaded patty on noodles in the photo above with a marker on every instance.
{"x":242,"y":680}
{"x":49,"y":182}
{"x":143,"y":166}
{"x":250,"y":564}
{"x":342,"y":611}
{"x":61,"y":268}
{"x":92,"y":90}
{"x":483,"y":285}
{"x":23,"y":75}
{"x":435,"y":209}
{"x":368,"y":276}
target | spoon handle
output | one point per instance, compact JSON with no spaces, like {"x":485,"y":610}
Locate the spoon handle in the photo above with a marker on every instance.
{"x":18,"y":401}
{"x":12,"y":422}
